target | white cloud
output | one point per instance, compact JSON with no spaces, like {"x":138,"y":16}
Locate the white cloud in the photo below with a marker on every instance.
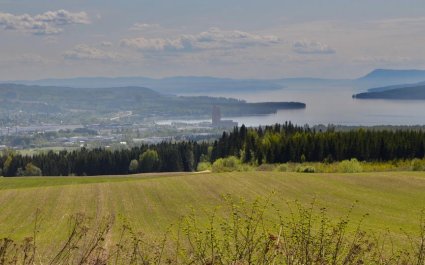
{"x":63,"y":17}
{"x":212,"y":39}
{"x":48,"y":23}
{"x":311,"y":47}
{"x":143,"y":44}
{"x":86,"y":52}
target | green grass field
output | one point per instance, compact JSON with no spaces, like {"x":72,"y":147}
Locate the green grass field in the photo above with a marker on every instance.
{"x":151,"y":203}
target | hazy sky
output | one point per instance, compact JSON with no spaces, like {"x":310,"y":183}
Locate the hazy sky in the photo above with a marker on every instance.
{"x":229,"y":38}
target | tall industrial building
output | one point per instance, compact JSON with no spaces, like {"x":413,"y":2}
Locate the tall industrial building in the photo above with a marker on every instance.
{"x":216,"y":116}
{"x":217,"y":122}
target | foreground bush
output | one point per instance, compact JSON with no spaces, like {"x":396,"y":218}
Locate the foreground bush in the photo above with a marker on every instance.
{"x":228,"y":164}
{"x":281,"y":168}
{"x":418,"y":165}
{"x":306,"y":169}
{"x":246,"y":234}
{"x":350,"y":166}
{"x":266,"y":167}
{"x":346,"y":166}
{"x":203,"y":166}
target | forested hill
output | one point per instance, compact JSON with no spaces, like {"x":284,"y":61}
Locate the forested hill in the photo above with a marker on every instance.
{"x":76,"y":104}
{"x":400,"y":93}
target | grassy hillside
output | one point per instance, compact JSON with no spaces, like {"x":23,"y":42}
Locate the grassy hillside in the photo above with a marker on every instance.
{"x":150,"y":203}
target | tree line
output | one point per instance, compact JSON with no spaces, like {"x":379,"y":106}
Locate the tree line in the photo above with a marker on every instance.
{"x":280,"y":143}
{"x":283,"y":143}
{"x":163,"y":157}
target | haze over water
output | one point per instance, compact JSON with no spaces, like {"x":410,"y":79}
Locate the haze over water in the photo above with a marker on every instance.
{"x":332,"y":105}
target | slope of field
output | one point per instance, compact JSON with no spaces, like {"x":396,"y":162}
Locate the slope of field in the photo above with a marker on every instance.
{"x":394,"y":200}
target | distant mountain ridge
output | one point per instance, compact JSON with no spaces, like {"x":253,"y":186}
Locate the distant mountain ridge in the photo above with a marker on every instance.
{"x":204,"y":84}
{"x":171,"y":85}
{"x":389,"y":77}
{"x":392,"y":74}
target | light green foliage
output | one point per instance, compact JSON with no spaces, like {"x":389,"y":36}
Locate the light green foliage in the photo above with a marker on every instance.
{"x":386,"y":166}
{"x":30,"y":171}
{"x":248,"y":153}
{"x":350,"y":166}
{"x":281,"y":168}
{"x":306,"y":169}
{"x":418,"y":165}
{"x":246,"y":168}
{"x":270,"y":145}
{"x":347,"y":166}
{"x":266,"y":167}
{"x":227,"y":164}
{"x":7,"y":163}
{"x":134,"y":166}
{"x":149,"y":161}
{"x":203,"y":166}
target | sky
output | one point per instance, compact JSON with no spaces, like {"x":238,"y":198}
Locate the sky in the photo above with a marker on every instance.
{"x":222,"y":38}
